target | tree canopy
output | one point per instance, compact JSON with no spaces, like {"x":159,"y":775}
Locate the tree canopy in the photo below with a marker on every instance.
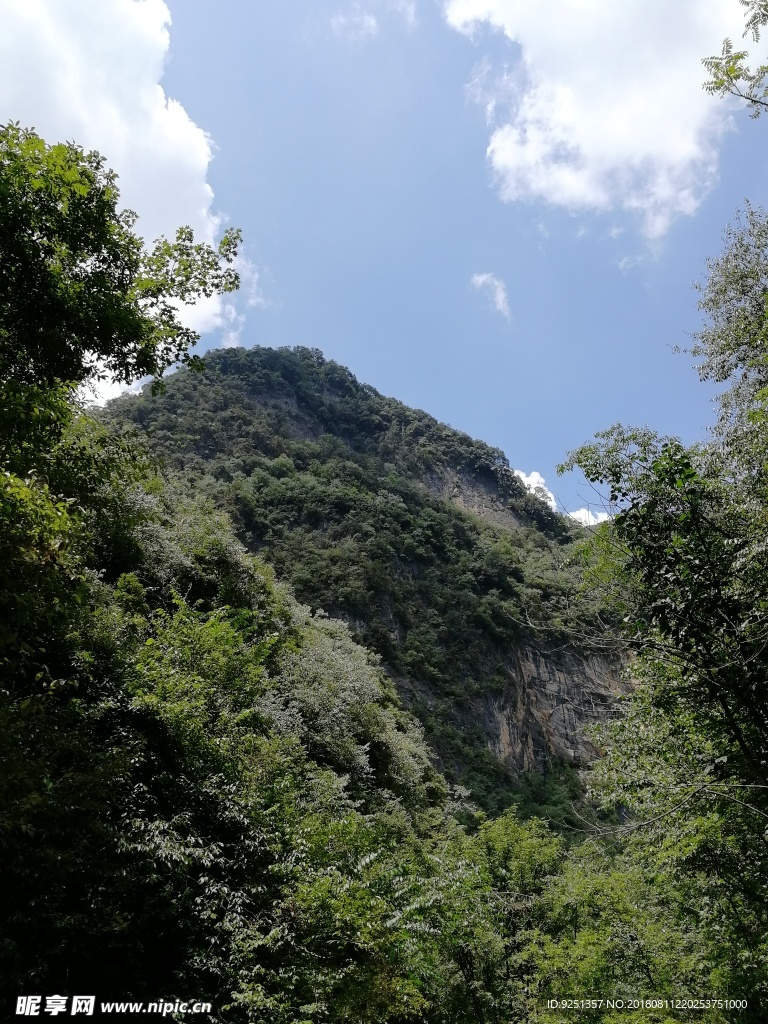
{"x":685,"y":552}
{"x":731,"y":75}
{"x":80,"y":294}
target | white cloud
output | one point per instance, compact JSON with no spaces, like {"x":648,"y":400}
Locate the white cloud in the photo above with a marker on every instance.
{"x":89,"y":71}
{"x":606,"y":110}
{"x":497,"y":289}
{"x":233,"y":325}
{"x":588,"y":518}
{"x":98,"y":393}
{"x":250,"y":282}
{"x":536,"y":483}
{"x":356,"y":24}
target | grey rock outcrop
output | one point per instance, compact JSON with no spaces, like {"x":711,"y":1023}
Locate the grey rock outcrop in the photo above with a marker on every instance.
{"x":549,"y":702}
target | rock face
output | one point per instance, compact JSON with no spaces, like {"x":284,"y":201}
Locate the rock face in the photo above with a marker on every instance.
{"x":549,"y":702}
{"x":479,"y":495}
{"x":551,"y":697}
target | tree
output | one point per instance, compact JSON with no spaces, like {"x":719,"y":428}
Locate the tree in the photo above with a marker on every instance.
{"x":686,"y":552}
{"x":732,"y":346}
{"x":80,"y":296}
{"x":730,"y":75}
{"x":80,"y":299}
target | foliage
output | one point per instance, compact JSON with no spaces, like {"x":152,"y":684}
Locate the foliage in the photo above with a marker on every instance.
{"x":342,"y":490}
{"x":80,"y":295}
{"x":224,"y":796}
{"x":730,"y":75}
{"x":687,"y":549}
{"x":204,"y":788}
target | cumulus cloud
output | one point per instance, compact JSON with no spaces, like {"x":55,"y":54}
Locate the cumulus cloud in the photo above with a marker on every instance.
{"x":605,"y":109}
{"x":536,"y":483}
{"x":89,"y":71}
{"x":496,"y":289}
{"x":586,"y":517}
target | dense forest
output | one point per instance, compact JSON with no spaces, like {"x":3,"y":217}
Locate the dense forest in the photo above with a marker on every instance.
{"x":246,"y":615}
{"x":343,"y":492}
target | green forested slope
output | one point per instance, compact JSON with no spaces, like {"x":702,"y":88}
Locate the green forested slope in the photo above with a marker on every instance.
{"x":209,"y":793}
{"x":339,"y":489}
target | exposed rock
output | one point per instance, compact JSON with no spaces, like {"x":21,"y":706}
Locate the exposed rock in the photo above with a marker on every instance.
{"x":550,"y":700}
{"x":551,"y":697}
{"x":473,"y":493}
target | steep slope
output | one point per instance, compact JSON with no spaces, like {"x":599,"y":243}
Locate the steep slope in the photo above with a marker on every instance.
{"x":422,"y":538}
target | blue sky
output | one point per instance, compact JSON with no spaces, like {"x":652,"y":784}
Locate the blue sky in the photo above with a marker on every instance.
{"x":490,"y":209}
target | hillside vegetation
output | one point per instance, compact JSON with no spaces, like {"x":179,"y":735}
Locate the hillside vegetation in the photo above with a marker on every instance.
{"x":354,"y":499}
{"x":211,"y":791}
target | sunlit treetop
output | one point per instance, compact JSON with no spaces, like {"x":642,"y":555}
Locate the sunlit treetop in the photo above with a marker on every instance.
{"x":729,"y":73}
{"x":81,"y":297}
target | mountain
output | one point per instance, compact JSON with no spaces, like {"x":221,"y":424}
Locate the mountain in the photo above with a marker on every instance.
{"x":421,"y":538}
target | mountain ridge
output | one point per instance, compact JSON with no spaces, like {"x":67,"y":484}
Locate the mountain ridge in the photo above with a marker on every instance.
{"x":422,"y":538}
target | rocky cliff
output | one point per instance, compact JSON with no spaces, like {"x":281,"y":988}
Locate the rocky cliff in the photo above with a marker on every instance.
{"x":550,"y":700}
{"x":471,"y":492}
